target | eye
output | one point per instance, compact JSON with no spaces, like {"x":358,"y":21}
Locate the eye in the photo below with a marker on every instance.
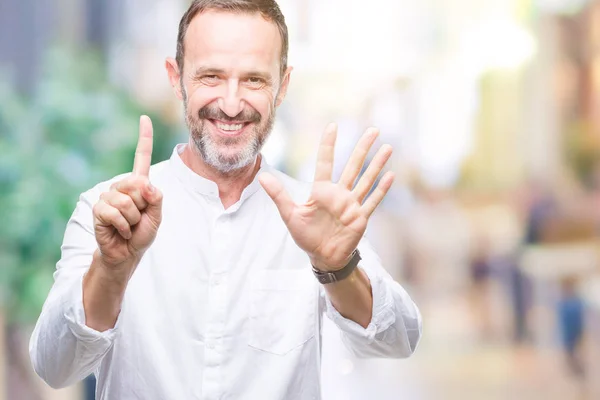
{"x":255,"y":82}
{"x":209,"y":79}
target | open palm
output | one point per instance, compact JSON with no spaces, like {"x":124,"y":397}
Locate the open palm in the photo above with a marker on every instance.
{"x":329,"y":226}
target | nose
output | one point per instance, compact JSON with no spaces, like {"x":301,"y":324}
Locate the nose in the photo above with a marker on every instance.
{"x":231,"y":103}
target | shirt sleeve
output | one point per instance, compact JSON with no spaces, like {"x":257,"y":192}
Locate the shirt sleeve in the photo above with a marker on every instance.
{"x":395,"y":328}
{"x":62,"y":348}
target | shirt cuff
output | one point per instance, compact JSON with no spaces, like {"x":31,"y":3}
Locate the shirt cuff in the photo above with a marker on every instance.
{"x":75,"y":316}
{"x":383,"y":315}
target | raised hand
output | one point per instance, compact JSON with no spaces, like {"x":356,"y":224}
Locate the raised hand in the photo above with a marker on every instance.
{"x":127,"y":217}
{"x":329,"y":226}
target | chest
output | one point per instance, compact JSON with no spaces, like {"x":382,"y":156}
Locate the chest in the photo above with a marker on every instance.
{"x":226,"y":273}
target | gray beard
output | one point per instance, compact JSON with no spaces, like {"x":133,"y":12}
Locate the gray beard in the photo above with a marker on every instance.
{"x":209,"y":150}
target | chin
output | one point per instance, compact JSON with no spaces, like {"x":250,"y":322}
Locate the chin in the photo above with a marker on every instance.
{"x":228,"y":161}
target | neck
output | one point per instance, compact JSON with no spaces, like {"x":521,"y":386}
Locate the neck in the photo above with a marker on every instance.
{"x":231,"y":185}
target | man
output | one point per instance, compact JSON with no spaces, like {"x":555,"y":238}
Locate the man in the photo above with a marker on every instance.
{"x":192,"y":279}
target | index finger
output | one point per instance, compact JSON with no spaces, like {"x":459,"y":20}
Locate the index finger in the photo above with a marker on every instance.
{"x":143,"y":152}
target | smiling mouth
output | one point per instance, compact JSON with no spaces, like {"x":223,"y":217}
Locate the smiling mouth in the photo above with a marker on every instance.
{"x":230,"y":128}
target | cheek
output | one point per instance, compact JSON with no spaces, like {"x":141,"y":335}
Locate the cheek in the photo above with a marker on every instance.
{"x":262,"y":102}
{"x":201,"y":97}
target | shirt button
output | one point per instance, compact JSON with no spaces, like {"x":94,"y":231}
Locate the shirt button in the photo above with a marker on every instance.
{"x":210,"y":345}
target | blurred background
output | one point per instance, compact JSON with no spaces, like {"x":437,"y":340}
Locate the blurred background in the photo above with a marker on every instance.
{"x":493,"y":108}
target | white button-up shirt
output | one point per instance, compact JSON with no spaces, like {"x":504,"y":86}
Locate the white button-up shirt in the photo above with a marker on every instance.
{"x":223,"y":305}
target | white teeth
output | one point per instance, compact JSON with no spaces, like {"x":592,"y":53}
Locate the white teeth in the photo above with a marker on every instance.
{"x":229,"y":127}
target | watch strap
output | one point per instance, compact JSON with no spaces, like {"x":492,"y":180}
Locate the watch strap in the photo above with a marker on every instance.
{"x":336,"y":276}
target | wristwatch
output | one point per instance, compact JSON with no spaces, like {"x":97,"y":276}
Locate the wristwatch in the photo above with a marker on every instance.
{"x":336,"y":276}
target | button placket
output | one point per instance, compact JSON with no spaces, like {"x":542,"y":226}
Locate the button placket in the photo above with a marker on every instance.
{"x":215,"y":317}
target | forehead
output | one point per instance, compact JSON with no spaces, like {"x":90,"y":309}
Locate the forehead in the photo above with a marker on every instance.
{"x":237,"y":40}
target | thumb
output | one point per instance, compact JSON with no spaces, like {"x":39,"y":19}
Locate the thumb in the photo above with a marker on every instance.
{"x":154,"y":197}
{"x":278,"y":194}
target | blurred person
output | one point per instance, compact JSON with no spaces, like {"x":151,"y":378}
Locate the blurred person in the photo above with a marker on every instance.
{"x":541,"y":208}
{"x":480,"y":293}
{"x":570,"y":309}
{"x":202,"y":283}
{"x":538,"y":206}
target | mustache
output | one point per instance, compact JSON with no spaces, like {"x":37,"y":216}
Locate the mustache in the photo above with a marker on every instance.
{"x":215,"y":113}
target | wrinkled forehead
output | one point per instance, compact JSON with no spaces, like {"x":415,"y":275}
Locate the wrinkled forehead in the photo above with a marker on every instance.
{"x":233,"y":40}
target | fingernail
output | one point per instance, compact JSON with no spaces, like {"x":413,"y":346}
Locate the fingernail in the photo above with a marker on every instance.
{"x":151,"y":188}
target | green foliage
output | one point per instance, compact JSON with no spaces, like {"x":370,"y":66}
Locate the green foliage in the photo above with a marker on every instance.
{"x":76,"y":131}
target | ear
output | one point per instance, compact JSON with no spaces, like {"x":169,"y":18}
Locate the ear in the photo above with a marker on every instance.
{"x":284,"y":86}
{"x":174,"y":76}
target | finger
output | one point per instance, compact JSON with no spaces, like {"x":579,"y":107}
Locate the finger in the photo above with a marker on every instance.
{"x":378,"y":194}
{"x":124,"y":204}
{"x":326,"y":152}
{"x":357,"y":159}
{"x":107,"y":216}
{"x":154,"y":197}
{"x":367,"y":180}
{"x":133,"y":187}
{"x":143,"y":152}
{"x":278,"y":194}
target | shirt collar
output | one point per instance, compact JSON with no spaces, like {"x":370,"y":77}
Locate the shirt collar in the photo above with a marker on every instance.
{"x":204,"y":186}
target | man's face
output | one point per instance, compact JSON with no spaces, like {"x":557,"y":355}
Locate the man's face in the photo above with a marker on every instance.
{"x":231,"y":85}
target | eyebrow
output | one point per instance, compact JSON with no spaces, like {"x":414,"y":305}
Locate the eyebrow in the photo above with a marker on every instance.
{"x":208,"y":71}
{"x":200,"y":71}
